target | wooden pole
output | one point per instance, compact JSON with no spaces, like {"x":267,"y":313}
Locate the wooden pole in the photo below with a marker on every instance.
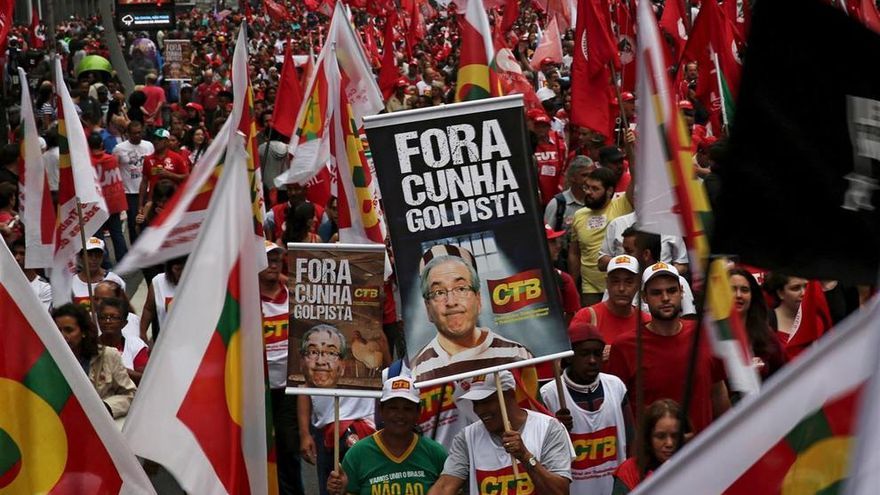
{"x":85,"y":261}
{"x":506,"y":421}
{"x":336,"y":433}
{"x":560,"y":391}
{"x":640,"y":386}
{"x":628,"y":148}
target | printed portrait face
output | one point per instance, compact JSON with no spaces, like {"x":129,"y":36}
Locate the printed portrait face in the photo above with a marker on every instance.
{"x":323,"y":352}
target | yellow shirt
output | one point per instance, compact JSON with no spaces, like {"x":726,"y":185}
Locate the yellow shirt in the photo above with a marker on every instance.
{"x":589,"y":227}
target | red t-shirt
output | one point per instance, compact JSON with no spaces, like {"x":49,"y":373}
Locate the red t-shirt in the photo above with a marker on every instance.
{"x":170,"y":161}
{"x":155,"y":97}
{"x":571,"y":299}
{"x":610,"y":325}
{"x":110,"y":178}
{"x":664,"y":369}
{"x":550,"y":157}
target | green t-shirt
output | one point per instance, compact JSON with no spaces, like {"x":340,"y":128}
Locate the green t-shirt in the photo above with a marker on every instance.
{"x":373,"y":470}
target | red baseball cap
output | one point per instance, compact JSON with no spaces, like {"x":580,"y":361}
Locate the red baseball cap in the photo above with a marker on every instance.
{"x":580,"y":331}
{"x":685,"y":105}
{"x":541,"y":118}
{"x":401,"y":83}
{"x":552,"y":234}
{"x":547,"y":60}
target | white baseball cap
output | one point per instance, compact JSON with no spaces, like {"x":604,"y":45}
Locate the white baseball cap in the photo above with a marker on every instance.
{"x":624,"y":262}
{"x":271,"y":246}
{"x":94,"y":243}
{"x":400,"y":387}
{"x":657,"y":269}
{"x":483,"y":386}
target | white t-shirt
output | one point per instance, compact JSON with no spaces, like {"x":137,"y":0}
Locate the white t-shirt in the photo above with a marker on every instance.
{"x":131,"y":163}
{"x":672,"y":248}
{"x":81,"y":290}
{"x":50,"y":161}
{"x":43,"y":290}
{"x":349,"y":408}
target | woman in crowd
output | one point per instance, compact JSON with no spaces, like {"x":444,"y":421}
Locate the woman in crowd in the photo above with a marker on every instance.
{"x":102,"y":364}
{"x":788,"y":292}
{"x":752,"y":309}
{"x":661,"y":437}
{"x":112,"y":314}
{"x":395,"y":459}
{"x":301,"y":224}
{"x":198,"y":144}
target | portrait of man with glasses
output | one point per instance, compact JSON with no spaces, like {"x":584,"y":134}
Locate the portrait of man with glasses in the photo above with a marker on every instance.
{"x":323,"y":350}
{"x":450,"y":286}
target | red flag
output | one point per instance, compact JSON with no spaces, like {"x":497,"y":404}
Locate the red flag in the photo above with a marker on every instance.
{"x":712,"y":33}
{"x":289,"y":97}
{"x":870,"y":15}
{"x":673,"y":22}
{"x":36,"y":41}
{"x":371,"y":48}
{"x":5,"y":23}
{"x":415,"y":31}
{"x":626,"y":46}
{"x":815,"y":320}
{"x":549,"y":47}
{"x":276,"y":10}
{"x":511,"y":14}
{"x":389,"y":73}
{"x":590,"y":72}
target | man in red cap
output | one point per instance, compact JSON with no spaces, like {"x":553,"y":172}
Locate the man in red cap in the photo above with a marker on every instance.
{"x":398,"y":100}
{"x":571,"y":301}
{"x":594,"y":411}
{"x":549,"y":156}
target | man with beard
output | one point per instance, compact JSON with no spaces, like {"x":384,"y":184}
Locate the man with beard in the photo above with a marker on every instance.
{"x":666,"y":346}
{"x":588,"y":231}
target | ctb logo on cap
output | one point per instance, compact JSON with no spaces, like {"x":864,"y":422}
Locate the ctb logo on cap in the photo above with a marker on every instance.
{"x":622,"y":259}
{"x":660,"y":266}
{"x":399,"y":384}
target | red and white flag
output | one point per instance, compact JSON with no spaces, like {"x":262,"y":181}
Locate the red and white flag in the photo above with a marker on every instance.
{"x":77,"y":183}
{"x":549,"y":47}
{"x":38,"y":213}
{"x":200,"y":407}
{"x":57,"y":435}
{"x":674,"y":24}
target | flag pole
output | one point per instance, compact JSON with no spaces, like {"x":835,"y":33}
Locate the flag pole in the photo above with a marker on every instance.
{"x":557,"y":375}
{"x":506,"y":421}
{"x":699,"y":302}
{"x":624,"y":124}
{"x":85,"y":263}
{"x":336,"y":433}
{"x":640,"y":386}
{"x":724,"y":118}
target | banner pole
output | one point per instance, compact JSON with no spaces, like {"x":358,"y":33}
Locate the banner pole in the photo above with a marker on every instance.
{"x":557,"y":375}
{"x":640,"y":383}
{"x":506,"y":421}
{"x":85,"y":263}
{"x":336,"y":433}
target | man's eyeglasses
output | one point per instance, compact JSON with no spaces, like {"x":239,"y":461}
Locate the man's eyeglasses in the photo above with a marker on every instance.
{"x":109,"y":318}
{"x":313,"y":355}
{"x":442,"y":295}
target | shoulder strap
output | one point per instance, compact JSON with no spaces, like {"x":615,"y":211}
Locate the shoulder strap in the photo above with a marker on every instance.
{"x":560,"y":211}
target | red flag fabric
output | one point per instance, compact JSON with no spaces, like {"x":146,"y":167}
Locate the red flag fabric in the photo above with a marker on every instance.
{"x":389,"y":73}
{"x":511,"y":14}
{"x":815,"y":320}
{"x":712,"y":33}
{"x":370,"y":47}
{"x":36,"y":41}
{"x":5,"y":23}
{"x":415,"y":31}
{"x":590,"y":72}
{"x":276,"y":10}
{"x":626,"y":46}
{"x":674,"y":24}
{"x":288,"y":98}
{"x":870,"y":15}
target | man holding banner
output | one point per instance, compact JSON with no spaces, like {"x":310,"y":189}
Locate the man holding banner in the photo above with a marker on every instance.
{"x":451,"y":289}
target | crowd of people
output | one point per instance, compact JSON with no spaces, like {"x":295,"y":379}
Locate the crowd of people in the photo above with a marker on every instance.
{"x":612,"y":278}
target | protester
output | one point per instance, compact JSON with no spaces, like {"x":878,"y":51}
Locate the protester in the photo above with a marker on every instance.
{"x":595,"y":412}
{"x":40,"y":285}
{"x":112,"y":315}
{"x":618,"y":314}
{"x":108,"y":289}
{"x":102,"y":364}
{"x":160,"y":295}
{"x":788,"y":293}
{"x":538,"y":443}
{"x":661,"y":438}
{"x":567,"y":290}
{"x":92,"y":272}
{"x":666,"y":345}
{"x":110,"y":178}
{"x":395,"y":459}
{"x":752,"y":311}
{"x":163,"y":164}
{"x":131,"y":154}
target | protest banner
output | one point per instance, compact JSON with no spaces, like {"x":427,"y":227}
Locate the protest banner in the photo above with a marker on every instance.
{"x":177,"y":54}
{"x":336,"y":339}
{"x":469,"y":246}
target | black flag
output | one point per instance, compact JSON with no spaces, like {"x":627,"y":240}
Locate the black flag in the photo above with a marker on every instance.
{"x":800,"y":179}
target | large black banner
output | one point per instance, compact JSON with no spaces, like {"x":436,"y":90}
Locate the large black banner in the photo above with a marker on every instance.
{"x":477,"y":288}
